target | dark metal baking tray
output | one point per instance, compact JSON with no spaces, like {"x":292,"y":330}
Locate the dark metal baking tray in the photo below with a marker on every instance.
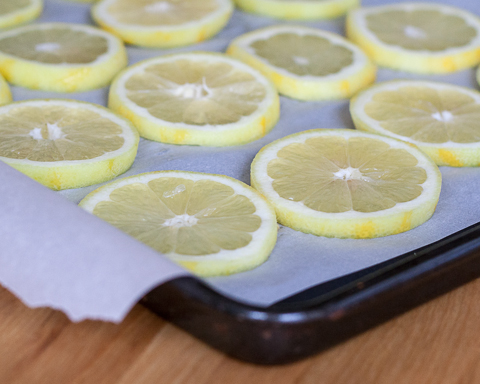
{"x":324,"y":315}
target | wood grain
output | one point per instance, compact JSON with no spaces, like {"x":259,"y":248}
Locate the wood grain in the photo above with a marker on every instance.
{"x":435,"y":343}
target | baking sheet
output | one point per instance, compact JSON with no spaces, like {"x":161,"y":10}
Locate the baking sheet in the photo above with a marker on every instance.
{"x":298,"y":261}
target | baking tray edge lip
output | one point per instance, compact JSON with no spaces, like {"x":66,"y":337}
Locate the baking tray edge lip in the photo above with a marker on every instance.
{"x":392,"y":272}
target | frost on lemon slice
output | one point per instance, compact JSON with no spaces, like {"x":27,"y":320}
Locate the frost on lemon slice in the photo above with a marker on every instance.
{"x":163,"y":23}
{"x":305,"y":63}
{"x":196,"y":98}
{"x":14,"y":12}
{"x":210,"y":224}
{"x":441,"y":119}
{"x":417,"y":37}
{"x":66,"y":144}
{"x":60,"y":57}
{"x":345,"y":183}
{"x":298,"y":9}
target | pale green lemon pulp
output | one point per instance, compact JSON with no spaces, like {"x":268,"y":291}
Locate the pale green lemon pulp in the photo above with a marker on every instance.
{"x":181,"y":216}
{"x":303,"y":55}
{"x":196,"y":92}
{"x":426,"y":114}
{"x":161,"y":13}
{"x":336,"y":174}
{"x":421,"y":29}
{"x":57,"y":133}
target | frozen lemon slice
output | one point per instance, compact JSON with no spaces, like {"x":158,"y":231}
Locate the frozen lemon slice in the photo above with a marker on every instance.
{"x":196,"y":98}
{"x":66,"y":144}
{"x":210,"y":224}
{"x":305,"y":63}
{"x":163,"y":23}
{"x":441,"y":119}
{"x":345,"y":183}
{"x":417,"y":37}
{"x":298,"y":9}
{"x":60,"y":57}
{"x":14,"y":12}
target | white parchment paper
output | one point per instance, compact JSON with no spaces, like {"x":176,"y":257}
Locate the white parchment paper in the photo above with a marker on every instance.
{"x":54,"y":254}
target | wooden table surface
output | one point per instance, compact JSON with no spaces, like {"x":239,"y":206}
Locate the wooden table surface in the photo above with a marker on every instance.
{"x":438,"y":342}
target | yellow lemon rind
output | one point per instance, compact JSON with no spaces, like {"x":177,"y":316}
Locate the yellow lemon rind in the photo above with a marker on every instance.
{"x":64,"y":77}
{"x":69,"y":174}
{"x":164,"y":36}
{"x":249,"y":128}
{"x":5,"y":93}
{"x":422,"y":62}
{"x":228,"y":261}
{"x":22,"y":15}
{"x":443,"y":154}
{"x":341,"y":85}
{"x":357,"y":225}
{"x":298,"y":10}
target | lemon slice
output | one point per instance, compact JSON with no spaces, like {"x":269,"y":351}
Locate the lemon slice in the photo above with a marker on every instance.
{"x":210,"y":224}
{"x":64,"y":143}
{"x":441,"y":119}
{"x":305,"y":63}
{"x":417,"y":37}
{"x":298,"y":9}
{"x":345,"y":183}
{"x":163,"y":23}
{"x":196,"y":98}
{"x":14,"y":12}
{"x":60,"y":57}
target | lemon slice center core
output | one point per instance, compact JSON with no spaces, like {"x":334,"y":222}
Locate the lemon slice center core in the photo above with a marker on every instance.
{"x":158,"y":7}
{"x":348,"y":174}
{"x":50,"y":132}
{"x":47,"y":47}
{"x":414,"y":32}
{"x":299,"y":60}
{"x":443,"y":116}
{"x":193,"y":91}
{"x":181,"y":221}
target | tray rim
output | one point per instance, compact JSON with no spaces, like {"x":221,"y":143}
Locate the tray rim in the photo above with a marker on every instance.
{"x":296,"y":328}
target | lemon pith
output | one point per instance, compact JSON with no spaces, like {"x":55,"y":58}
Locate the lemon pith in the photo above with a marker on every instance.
{"x":417,"y":37}
{"x":305,"y":63}
{"x":196,"y":99}
{"x":66,"y":144}
{"x":345,"y":183}
{"x":298,"y":10}
{"x":162,"y":24}
{"x":210,"y":224}
{"x":441,"y":119}
{"x":60,"y":57}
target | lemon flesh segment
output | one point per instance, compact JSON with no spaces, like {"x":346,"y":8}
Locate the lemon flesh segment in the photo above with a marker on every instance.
{"x":443,"y":120}
{"x":347,"y":184}
{"x":210,"y":224}
{"x":60,"y":57}
{"x":163,"y":23}
{"x":298,"y":9}
{"x":14,"y":12}
{"x":417,"y":37}
{"x":197,"y":99}
{"x":66,"y":144}
{"x":305,"y":63}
